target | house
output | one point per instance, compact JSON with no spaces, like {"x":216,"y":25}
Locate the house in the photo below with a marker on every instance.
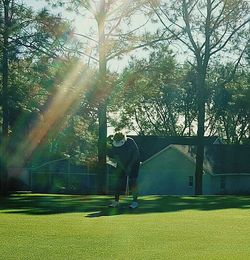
{"x":229,"y":169}
{"x":171,"y":171}
{"x":168,"y":172}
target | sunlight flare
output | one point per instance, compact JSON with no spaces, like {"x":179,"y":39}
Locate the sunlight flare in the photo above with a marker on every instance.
{"x":77,"y":82}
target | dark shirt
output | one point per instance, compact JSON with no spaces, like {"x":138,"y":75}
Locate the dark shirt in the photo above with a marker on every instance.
{"x":125,"y":155}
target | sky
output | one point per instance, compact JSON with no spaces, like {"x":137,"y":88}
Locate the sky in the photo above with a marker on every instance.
{"x":83,"y":25}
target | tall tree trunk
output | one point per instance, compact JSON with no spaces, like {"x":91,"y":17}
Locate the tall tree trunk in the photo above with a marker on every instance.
{"x":102,"y":118}
{"x":5,"y":108}
{"x":5,"y":126}
{"x":200,"y":131}
{"x":102,"y":108}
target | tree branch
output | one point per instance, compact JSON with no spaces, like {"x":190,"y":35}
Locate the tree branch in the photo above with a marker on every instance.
{"x":87,"y":37}
{"x":231,"y":77}
{"x":186,"y":20}
{"x":230,"y":36}
{"x":32,"y":46}
{"x":136,"y":47}
{"x":130,"y":32}
{"x":88,"y":55}
{"x":171,"y":31}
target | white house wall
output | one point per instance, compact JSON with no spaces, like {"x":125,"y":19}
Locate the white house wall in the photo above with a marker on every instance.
{"x":236,"y":184}
{"x":166,"y":174}
{"x":233,"y":184}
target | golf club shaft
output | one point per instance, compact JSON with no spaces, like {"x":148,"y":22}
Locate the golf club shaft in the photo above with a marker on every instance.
{"x":127,"y":186}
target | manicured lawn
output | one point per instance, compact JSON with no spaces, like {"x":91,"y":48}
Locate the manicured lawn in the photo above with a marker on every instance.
{"x":36,"y":226}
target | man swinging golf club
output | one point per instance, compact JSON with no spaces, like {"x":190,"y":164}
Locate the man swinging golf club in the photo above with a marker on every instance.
{"x":125,"y":153}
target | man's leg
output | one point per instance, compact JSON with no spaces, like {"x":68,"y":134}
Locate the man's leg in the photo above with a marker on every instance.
{"x":133,"y":184}
{"x":134,"y":188}
{"x":118,"y":187}
{"x":119,"y":184}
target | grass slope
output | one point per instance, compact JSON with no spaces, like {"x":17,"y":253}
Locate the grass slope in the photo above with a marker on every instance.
{"x":36,"y":226}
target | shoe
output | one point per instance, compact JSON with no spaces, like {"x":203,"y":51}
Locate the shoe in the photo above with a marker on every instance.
{"x":114,"y":204}
{"x":134,"y":205}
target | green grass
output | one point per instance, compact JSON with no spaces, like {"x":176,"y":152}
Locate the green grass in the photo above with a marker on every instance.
{"x":36,"y":226}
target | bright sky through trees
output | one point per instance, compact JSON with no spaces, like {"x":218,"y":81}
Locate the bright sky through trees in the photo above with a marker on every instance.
{"x":86,"y":25}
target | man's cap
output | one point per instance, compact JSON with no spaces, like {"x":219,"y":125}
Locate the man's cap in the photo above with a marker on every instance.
{"x":119,"y":139}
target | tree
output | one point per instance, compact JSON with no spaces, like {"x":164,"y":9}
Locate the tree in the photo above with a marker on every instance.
{"x":229,"y":106}
{"x":155,"y":96}
{"x":205,"y":29}
{"x":24,"y":34}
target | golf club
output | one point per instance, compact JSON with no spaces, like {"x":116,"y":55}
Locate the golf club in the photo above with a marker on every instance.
{"x":127,"y":187}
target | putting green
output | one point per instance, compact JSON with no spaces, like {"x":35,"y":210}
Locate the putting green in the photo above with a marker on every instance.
{"x":36,"y":226}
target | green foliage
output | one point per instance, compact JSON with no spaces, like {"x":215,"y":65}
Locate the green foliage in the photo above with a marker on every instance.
{"x":34,"y":41}
{"x":74,"y":132}
{"x":155,"y":96}
{"x":41,"y":54}
{"x":230,"y":103}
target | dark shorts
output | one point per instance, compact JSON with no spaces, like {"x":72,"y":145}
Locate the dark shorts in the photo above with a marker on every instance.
{"x":121,"y":178}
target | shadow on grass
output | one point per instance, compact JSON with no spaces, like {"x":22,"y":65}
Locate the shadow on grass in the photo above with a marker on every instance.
{"x":96,"y":206}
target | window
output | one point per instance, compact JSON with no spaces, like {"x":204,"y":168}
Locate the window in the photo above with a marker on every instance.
{"x":190,"y":181}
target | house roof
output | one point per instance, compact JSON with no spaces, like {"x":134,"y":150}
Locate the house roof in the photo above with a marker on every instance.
{"x":228,"y":159}
{"x":182,"y":149}
{"x":218,"y":159}
{"x":150,"y":145}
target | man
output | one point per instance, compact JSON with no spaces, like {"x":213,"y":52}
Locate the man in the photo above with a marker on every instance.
{"x":125,"y":153}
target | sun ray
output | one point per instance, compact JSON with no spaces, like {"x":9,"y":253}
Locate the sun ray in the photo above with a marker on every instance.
{"x":78,"y":81}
